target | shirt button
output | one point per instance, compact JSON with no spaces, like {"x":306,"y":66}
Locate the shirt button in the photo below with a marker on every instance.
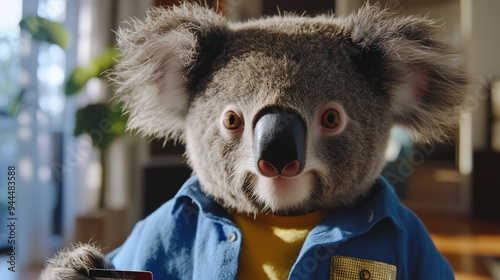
{"x":371,"y":215}
{"x":231,"y":237}
{"x":365,"y":274}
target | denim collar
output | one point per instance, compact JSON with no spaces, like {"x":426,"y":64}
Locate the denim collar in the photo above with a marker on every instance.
{"x":381,"y":203}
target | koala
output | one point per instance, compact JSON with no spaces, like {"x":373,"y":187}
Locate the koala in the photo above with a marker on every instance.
{"x":285,"y":121}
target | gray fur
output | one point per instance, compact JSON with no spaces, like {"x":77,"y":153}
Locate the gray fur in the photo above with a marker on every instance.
{"x":184,"y":67}
{"x":294,"y":62}
{"x":74,"y":263}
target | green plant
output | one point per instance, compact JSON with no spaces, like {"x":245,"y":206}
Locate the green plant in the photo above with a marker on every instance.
{"x":81,"y":75}
{"x":103,"y":122}
{"x":91,"y":117}
{"x":44,"y":30}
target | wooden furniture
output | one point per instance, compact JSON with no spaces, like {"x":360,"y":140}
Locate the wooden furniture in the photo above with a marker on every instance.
{"x":486,"y":184}
{"x":486,"y":176}
{"x":312,"y":7}
{"x":163,"y":175}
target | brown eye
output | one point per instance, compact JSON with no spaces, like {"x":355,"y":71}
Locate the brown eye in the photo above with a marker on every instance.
{"x":331,"y":119}
{"x":232,"y":121}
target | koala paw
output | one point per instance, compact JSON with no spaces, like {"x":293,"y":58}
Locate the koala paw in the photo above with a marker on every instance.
{"x":74,"y":263}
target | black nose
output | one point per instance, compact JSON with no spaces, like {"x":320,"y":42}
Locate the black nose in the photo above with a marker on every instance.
{"x":279,"y":143}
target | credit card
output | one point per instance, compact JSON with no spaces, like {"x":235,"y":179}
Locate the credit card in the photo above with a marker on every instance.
{"x":112,"y":274}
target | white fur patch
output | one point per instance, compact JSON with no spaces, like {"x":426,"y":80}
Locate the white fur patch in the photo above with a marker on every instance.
{"x":284,"y":193}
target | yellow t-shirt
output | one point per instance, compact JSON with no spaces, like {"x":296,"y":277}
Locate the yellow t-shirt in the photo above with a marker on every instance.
{"x":271,"y":244}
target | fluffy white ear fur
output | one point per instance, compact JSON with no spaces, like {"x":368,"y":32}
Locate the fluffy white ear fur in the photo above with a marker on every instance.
{"x":425,"y":80}
{"x":154,"y":73}
{"x":159,"y":108}
{"x":409,"y":94}
{"x":431,"y":89}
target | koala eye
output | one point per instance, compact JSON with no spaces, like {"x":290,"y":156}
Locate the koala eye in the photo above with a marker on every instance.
{"x":331,"y":119}
{"x":232,"y":120}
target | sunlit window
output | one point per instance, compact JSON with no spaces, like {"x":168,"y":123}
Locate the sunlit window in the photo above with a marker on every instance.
{"x":10,"y":67}
{"x":51,"y":62}
{"x":18,"y":82}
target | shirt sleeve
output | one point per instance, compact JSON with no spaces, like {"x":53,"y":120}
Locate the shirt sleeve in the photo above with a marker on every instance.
{"x":125,"y":256}
{"x":425,"y":260}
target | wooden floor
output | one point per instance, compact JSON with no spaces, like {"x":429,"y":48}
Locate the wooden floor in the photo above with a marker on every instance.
{"x":435,"y":193}
{"x":465,"y":242}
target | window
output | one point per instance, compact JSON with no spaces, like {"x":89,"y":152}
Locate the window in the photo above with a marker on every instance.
{"x":10,"y":68}
{"x":32,"y":100}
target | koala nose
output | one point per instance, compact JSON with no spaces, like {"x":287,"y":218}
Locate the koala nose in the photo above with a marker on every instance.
{"x":279,"y":143}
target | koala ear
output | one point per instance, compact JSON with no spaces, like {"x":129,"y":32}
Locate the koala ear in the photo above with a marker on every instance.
{"x":163,"y":58}
{"x":403,"y":57}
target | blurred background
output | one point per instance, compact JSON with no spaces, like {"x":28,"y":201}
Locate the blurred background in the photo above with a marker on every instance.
{"x":80,"y":177}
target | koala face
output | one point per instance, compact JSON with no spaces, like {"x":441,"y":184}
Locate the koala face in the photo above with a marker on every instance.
{"x":331,"y":109}
{"x":287,"y":114}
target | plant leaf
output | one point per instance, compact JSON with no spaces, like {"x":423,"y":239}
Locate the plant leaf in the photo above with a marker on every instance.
{"x":81,"y":75}
{"x":44,"y":30}
{"x":14,"y":109}
{"x":103,"y":122}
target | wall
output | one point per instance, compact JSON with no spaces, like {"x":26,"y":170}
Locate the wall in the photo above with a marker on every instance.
{"x":481,"y":43}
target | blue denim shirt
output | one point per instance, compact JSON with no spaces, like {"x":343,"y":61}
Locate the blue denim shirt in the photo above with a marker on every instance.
{"x":193,"y":237}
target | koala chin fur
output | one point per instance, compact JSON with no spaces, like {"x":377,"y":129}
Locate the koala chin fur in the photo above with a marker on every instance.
{"x":186,"y":71}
